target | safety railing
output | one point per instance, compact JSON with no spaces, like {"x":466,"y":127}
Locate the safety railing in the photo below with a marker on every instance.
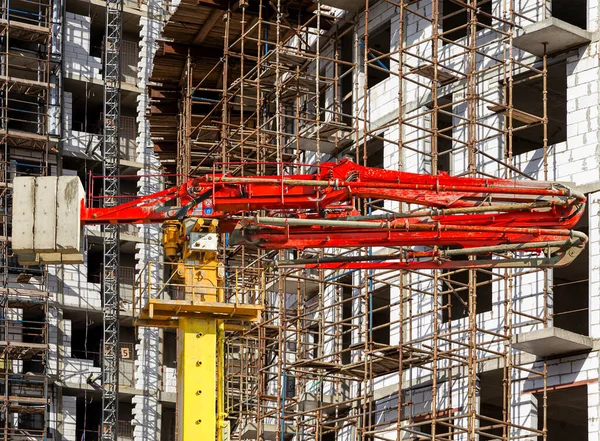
{"x":158,"y":280}
{"x":124,"y":432}
{"x":126,"y":362}
{"x":26,"y":14}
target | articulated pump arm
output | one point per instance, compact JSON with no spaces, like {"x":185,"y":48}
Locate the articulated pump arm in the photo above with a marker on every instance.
{"x":451,"y":216}
{"x":441,"y":221}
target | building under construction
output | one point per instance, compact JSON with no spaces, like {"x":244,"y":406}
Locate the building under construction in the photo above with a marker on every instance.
{"x":504,"y":89}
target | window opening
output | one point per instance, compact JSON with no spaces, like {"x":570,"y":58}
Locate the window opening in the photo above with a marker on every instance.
{"x":527,"y":97}
{"x":379,"y":315}
{"x":454,"y":291}
{"x":378,"y":69}
{"x":570,"y":290}
{"x":572,"y":11}
{"x":567,"y":413}
{"x":455,"y":20}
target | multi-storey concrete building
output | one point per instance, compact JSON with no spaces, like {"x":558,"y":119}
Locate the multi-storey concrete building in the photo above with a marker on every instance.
{"x":482,"y":88}
{"x":52,"y":101}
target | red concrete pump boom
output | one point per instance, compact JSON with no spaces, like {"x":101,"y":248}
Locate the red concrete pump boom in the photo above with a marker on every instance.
{"x":443,"y":216}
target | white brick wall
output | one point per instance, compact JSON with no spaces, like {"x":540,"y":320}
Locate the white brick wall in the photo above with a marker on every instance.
{"x":147,"y":408}
{"x":170,"y":379}
{"x":78,"y":61}
{"x":69,"y":415}
{"x":76,"y":371}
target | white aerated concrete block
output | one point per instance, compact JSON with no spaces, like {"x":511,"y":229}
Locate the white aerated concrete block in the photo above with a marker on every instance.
{"x":23,"y":203}
{"x":69,"y":198}
{"x":44,"y":214}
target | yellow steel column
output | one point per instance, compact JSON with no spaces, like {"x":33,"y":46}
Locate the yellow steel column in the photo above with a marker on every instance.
{"x":197,"y":379}
{"x":221,"y":415}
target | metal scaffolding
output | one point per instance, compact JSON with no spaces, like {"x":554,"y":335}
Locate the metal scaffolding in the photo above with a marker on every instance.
{"x":432,"y":86}
{"x":27,"y":77}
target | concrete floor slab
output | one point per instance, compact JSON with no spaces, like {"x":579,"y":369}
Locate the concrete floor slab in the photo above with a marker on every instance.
{"x":558,"y":35}
{"x":551,"y":341}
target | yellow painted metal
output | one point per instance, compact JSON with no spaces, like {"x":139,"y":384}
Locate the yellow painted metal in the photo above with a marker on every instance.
{"x":221,"y":415}
{"x":200,"y":317}
{"x":199,"y":271}
{"x":197,"y":379}
{"x":159,"y":309}
{"x":170,"y":238}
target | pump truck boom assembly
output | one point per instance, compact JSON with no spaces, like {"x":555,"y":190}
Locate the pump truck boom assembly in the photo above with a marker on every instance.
{"x":441,"y":222}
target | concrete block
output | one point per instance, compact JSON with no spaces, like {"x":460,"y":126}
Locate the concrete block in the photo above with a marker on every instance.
{"x":23,"y":203}
{"x":29,"y":258}
{"x":69,"y":198}
{"x":72,"y":259}
{"x":47,"y":217}
{"x":50,"y":258}
{"x":44,"y":231}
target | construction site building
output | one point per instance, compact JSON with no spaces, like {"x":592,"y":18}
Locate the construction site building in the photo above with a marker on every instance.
{"x":480,"y":88}
{"x":51,"y":101}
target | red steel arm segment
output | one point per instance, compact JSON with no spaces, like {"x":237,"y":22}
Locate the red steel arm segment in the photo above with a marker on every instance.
{"x":317,"y":210}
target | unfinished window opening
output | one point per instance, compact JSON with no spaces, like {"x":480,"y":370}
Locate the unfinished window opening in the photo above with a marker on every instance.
{"x":456,"y":17}
{"x":170,"y":349}
{"x":27,"y":168}
{"x":167,"y":423}
{"x":444,"y":134}
{"x":86,"y":112}
{"x":567,"y":417}
{"x":378,"y":68}
{"x":491,"y":396}
{"x":314,"y":335}
{"x":346,"y":50}
{"x":86,"y":336}
{"x":454,"y":291}
{"x":94,"y":262}
{"x":527,"y":97}
{"x":346,"y":289}
{"x":327,"y":436}
{"x":571,"y":289}
{"x":325,"y":105}
{"x":572,"y":11}
{"x":97,"y":30}
{"x":26,"y":113}
{"x":442,"y":428}
{"x":379,"y":315}
{"x":127,"y":341}
{"x":33,"y":329}
{"x":375,"y":152}
{"x":31,"y":421}
{"x":88,"y":419}
{"x":290,"y":386}
{"x":443,"y":424}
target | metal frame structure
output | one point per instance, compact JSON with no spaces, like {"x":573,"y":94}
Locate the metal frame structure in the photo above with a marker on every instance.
{"x":316,"y":211}
{"x":28,"y":73}
{"x":110,"y":280}
{"x":290,"y":83}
